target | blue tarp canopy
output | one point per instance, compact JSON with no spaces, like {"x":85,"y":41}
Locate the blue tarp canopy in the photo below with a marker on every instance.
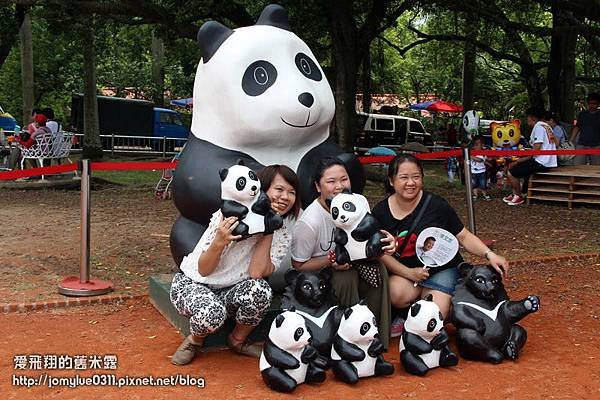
{"x":189,"y":102}
{"x":421,"y":106}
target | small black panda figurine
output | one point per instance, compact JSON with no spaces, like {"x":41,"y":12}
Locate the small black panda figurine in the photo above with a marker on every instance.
{"x":243,"y":198}
{"x":424,"y":341}
{"x":288,"y":359}
{"x":357,"y":235}
{"x":312,"y":296}
{"x":485,"y":318}
{"x":357,"y":351}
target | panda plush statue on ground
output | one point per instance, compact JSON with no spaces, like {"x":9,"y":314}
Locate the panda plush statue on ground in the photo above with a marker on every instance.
{"x":243,"y":198}
{"x":424,"y":341}
{"x":357,"y":235}
{"x":357,"y":350}
{"x":260,"y":96}
{"x":485,"y":318}
{"x":288,"y":359}
{"x":312,"y":296}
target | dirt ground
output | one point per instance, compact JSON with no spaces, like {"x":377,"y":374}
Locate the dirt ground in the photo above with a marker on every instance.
{"x":39,"y":243}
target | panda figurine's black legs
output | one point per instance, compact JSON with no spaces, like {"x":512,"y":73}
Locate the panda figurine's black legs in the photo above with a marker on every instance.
{"x":314,"y":374}
{"x":278,"y":379}
{"x":448,"y":358}
{"x":345,"y":371}
{"x":516,"y":341}
{"x":383,"y":367}
{"x":412,"y":363}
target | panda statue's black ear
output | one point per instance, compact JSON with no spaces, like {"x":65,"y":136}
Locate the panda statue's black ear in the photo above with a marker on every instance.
{"x":347,"y":191}
{"x":223,"y":173}
{"x":279,"y":320}
{"x":429,"y":297}
{"x":211,"y":36}
{"x":348,"y":312}
{"x":414,"y":309}
{"x":274,"y":15}
{"x":241,"y":162}
{"x":292,"y":309}
{"x":464,"y":268}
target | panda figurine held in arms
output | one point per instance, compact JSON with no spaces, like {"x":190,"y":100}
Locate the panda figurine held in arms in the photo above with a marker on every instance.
{"x":424,"y":341}
{"x":243,"y":198}
{"x":357,"y":235}
{"x":260,"y":96}
{"x":357,"y":350}
{"x":485,"y":318}
{"x":288,"y":359}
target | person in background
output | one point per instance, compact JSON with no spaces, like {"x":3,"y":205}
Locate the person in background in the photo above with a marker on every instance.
{"x":542,"y":138}
{"x":478,"y":171}
{"x":51,"y":123}
{"x":560,"y":136}
{"x":33,"y":126}
{"x":587,"y":131}
{"x":451,"y":134}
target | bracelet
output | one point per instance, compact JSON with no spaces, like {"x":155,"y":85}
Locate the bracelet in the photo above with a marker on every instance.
{"x":487,"y":257}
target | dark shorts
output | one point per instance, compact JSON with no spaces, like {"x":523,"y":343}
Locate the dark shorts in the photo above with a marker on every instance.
{"x":527,"y":168}
{"x":479,"y":181}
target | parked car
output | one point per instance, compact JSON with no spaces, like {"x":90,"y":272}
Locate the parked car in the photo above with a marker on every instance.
{"x":392,"y":131}
{"x":130,"y":117}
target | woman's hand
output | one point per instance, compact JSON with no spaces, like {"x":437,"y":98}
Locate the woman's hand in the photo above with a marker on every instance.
{"x":334,"y":265}
{"x":224,"y":234}
{"x":390,"y":243}
{"x":278,"y":208}
{"x":499,"y":263}
{"x":418,"y":274}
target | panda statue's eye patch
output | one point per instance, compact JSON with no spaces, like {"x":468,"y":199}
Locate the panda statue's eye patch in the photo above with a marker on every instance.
{"x":347,"y":206}
{"x":240,"y":184}
{"x":252,"y":175}
{"x":364,"y":328}
{"x":308,"y":67}
{"x":335,"y":212}
{"x":431,"y":325}
{"x":298,"y":334}
{"x":259,"y":76}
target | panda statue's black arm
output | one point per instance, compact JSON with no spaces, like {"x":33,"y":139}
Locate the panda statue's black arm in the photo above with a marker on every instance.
{"x":517,"y":310}
{"x":462,"y":318}
{"x":440,"y":340}
{"x":366,"y":228}
{"x":308,"y":354}
{"x":341,"y":255}
{"x":279,"y":358}
{"x":376,"y":348}
{"x":262,"y":205}
{"x":340,"y":237}
{"x":230,"y":208}
{"x":347,"y":350}
{"x":416,"y":344}
{"x":375,"y":245}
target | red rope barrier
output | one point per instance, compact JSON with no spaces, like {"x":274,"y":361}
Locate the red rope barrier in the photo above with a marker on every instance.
{"x":132,"y":165}
{"x":23,"y":173}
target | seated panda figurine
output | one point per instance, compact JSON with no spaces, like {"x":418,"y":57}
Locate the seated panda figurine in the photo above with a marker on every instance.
{"x":357,"y":350}
{"x":485,"y":318}
{"x":357,"y":233}
{"x":312,"y":296}
{"x":424,"y":341}
{"x":288,"y":359}
{"x":243,"y":198}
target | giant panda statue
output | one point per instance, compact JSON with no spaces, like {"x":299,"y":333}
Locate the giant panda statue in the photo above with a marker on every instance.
{"x":424,"y":341}
{"x":356,"y":235}
{"x":357,"y":350}
{"x":288,"y":359}
{"x":259,"y":96}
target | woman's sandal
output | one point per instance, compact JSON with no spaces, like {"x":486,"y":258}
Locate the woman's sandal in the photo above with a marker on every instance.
{"x":245,"y":348}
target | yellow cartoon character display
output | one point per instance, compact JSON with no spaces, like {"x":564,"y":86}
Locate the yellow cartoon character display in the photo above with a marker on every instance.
{"x":506,"y":136}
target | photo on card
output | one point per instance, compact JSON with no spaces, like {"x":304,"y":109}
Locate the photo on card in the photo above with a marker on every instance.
{"x":436,"y":247}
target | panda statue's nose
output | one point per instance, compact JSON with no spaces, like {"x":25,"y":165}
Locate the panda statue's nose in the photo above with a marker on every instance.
{"x":306,"y":99}
{"x":253,"y":188}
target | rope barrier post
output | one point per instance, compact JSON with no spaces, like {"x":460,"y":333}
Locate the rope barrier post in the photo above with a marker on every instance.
{"x":82,"y":285}
{"x":112,"y":144}
{"x":469,"y":188}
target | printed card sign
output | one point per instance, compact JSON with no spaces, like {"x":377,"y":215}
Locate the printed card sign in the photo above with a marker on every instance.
{"x":436,"y":247}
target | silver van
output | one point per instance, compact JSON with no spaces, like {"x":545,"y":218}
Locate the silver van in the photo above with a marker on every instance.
{"x":391,"y":131}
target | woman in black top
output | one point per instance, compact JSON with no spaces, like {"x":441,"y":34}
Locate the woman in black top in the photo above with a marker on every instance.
{"x":397,"y":212}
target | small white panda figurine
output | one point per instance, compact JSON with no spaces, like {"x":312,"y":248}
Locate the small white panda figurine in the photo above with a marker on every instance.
{"x":357,"y":233}
{"x":288,"y":359}
{"x":424,"y":341}
{"x":357,"y":350}
{"x":242,"y":197}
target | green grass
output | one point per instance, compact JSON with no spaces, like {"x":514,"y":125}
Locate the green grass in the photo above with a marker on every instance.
{"x":129,"y":178}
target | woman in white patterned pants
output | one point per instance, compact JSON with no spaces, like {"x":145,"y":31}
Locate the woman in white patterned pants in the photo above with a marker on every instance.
{"x":223,"y":276}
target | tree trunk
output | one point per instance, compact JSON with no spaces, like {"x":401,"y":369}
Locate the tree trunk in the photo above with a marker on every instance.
{"x":469,"y":65}
{"x":26,"y":67}
{"x":92,"y":146}
{"x":158,"y":73}
{"x":366,"y":82}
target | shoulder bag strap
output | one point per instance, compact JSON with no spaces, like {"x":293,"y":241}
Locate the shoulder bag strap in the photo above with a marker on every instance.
{"x":413,"y":226}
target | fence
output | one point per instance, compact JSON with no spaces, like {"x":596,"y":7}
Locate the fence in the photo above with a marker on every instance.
{"x":145,"y":145}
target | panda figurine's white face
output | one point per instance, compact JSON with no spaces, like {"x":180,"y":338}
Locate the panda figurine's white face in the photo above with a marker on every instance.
{"x":262,"y":92}
{"x":240,"y":184}
{"x":471,"y":123}
{"x":348,"y":210}
{"x":359,"y":327}
{"x":290,"y":333}
{"x":424,"y":319}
